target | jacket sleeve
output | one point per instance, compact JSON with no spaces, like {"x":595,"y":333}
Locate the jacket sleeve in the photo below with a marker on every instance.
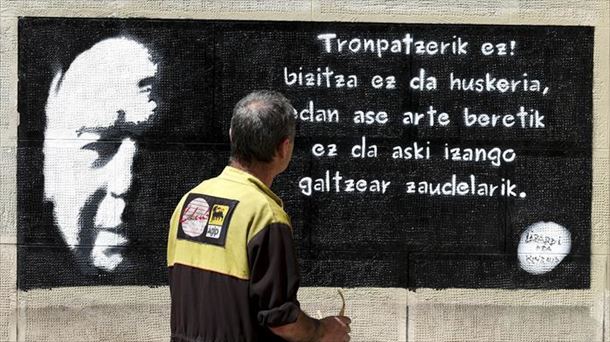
{"x":274,"y":275}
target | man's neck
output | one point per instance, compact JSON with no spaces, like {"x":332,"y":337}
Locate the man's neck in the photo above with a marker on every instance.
{"x":263,"y":172}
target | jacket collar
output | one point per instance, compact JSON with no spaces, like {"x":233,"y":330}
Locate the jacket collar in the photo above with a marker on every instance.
{"x":241,"y":176}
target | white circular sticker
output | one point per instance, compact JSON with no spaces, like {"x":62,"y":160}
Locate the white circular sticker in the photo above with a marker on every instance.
{"x":542,"y":246}
{"x":195,"y":217}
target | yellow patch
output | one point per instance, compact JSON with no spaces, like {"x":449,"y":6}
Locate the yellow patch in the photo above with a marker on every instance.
{"x":218,"y":214}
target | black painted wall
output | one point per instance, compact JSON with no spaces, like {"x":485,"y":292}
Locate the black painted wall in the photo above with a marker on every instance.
{"x":343,"y":239}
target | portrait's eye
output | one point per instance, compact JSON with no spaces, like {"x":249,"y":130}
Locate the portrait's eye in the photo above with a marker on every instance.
{"x":146,"y":85}
{"x":104,"y":149}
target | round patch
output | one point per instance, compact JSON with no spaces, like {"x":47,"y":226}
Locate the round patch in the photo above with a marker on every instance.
{"x":543,"y":246}
{"x":195,"y":217}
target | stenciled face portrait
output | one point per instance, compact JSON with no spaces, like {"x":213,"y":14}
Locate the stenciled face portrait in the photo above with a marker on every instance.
{"x":94,"y":113}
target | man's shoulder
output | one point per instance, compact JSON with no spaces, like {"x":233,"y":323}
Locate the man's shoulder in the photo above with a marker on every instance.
{"x":248,"y":195}
{"x":223,"y":187}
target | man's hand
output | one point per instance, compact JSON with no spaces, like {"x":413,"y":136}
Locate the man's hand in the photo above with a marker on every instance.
{"x":335,"y":329}
{"x":307,"y":329}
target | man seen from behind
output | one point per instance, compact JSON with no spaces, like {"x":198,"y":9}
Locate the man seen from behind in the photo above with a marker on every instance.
{"x":233,"y":271}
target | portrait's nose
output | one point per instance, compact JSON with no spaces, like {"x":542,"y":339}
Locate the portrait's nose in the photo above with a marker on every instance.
{"x":119,"y":178}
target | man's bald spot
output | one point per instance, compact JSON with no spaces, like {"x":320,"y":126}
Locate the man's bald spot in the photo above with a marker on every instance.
{"x":258,"y":105}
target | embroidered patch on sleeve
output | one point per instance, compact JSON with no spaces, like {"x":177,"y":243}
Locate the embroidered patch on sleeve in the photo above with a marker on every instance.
{"x":206,"y":219}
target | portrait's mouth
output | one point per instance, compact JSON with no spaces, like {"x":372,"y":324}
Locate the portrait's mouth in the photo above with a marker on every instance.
{"x":114,"y":229}
{"x":108,"y":248}
{"x":111,"y":237}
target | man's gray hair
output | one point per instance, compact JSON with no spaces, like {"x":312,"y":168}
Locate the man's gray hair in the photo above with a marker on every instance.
{"x":260,"y":122}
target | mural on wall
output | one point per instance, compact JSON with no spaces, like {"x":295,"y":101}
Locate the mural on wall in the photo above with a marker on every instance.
{"x":426,"y":155}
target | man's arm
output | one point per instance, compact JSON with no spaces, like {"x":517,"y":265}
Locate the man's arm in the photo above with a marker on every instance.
{"x":307,"y":329}
{"x":274,"y":282}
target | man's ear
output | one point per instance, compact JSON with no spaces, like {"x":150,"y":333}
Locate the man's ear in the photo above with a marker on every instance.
{"x":283,"y":148}
{"x":230,"y":135}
